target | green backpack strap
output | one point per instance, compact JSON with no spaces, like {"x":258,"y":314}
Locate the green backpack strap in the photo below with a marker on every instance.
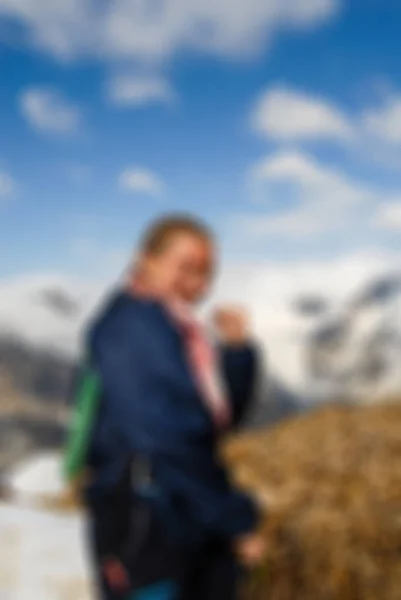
{"x":86,"y":405}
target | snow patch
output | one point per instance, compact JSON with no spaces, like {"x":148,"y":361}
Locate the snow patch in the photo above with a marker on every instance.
{"x":42,"y":556}
{"x":37,"y":478}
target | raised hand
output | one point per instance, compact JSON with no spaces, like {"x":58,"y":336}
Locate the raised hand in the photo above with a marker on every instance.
{"x":231,"y":325}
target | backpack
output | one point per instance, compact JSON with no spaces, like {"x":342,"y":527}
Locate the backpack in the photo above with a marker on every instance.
{"x":86,"y":404}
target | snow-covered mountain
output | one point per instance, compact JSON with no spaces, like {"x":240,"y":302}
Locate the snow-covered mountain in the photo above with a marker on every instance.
{"x":353,"y":349}
{"x":47,"y":311}
{"x":325,"y":334}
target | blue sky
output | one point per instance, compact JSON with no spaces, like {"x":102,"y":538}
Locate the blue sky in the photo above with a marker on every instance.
{"x":279,"y":123}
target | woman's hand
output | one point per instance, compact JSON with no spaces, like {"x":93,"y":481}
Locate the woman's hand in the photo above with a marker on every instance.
{"x":250,"y":550}
{"x":115,"y":575}
{"x":232,"y":325}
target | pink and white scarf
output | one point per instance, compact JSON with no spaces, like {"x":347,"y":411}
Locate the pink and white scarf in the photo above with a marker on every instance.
{"x":201,"y":356}
{"x":203,"y":360}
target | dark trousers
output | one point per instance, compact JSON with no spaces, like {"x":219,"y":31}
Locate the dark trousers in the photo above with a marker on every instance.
{"x":214,"y":575}
{"x":209,"y":572}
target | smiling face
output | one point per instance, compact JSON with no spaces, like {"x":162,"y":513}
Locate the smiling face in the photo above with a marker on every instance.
{"x":182,"y":267}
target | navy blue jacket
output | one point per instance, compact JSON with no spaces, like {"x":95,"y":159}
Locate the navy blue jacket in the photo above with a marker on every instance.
{"x":151,"y":406}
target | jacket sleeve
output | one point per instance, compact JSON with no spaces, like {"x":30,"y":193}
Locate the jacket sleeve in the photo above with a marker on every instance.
{"x":240,"y":368}
{"x":141,"y":410}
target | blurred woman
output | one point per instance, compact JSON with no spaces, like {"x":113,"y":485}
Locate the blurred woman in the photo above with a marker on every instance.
{"x":165,"y":518}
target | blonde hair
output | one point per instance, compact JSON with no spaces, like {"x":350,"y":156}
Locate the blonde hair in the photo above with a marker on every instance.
{"x":160,"y":233}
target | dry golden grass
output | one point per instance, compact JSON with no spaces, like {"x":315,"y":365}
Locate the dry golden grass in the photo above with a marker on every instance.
{"x":330,"y":482}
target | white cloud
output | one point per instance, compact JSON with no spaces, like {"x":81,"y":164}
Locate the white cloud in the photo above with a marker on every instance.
{"x":142,"y":181}
{"x":306,"y":172}
{"x":47,"y":110}
{"x":324,"y":199}
{"x":388,"y":216}
{"x":60,"y":26}
{"x":385,"y":122}
{"x":285,"y":114}
{"x":319,"y":200}
{"x":7,"y":185}
{"x":134,"y":90}
{"x":140,"y":30}
{"x":322,"y":184}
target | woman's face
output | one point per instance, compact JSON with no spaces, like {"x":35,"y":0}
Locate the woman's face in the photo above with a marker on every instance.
{"x":183,"y":270}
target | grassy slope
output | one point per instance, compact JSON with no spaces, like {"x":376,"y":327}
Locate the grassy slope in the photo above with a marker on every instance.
{"x":330,"y":483}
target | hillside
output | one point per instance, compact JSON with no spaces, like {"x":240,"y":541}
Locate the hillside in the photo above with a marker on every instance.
{"x":28,"y":424}
{"x":41,"y":373}
{"x":330,"y":483}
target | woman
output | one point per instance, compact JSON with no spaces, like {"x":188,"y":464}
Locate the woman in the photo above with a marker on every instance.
{"x":167,"y":399}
